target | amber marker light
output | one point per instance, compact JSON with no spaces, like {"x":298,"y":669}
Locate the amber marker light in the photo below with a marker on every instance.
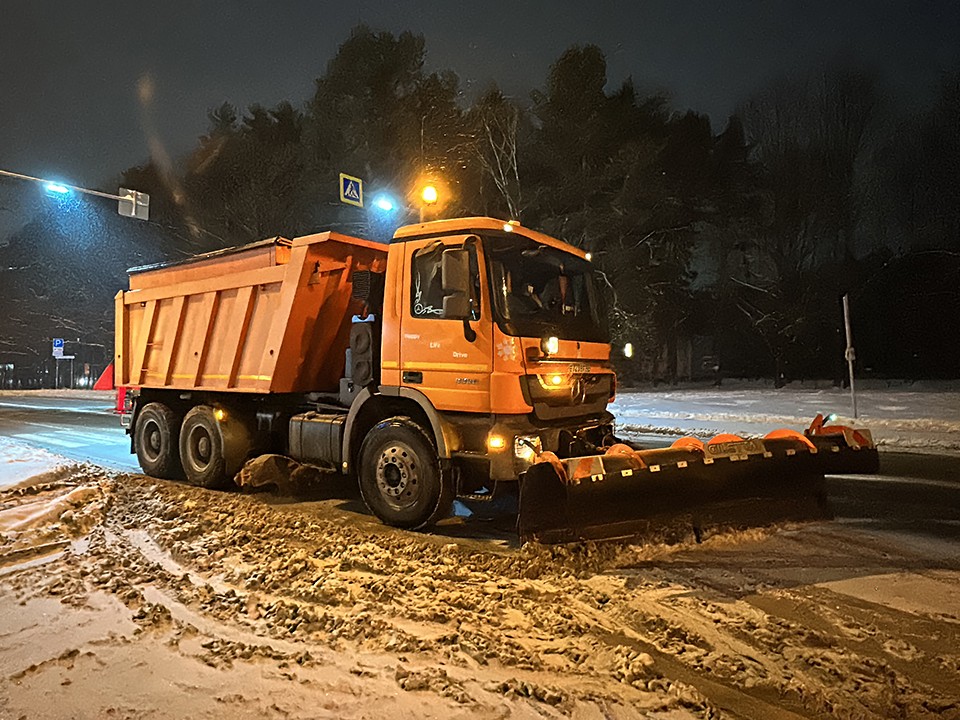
{"x":495,"y":442}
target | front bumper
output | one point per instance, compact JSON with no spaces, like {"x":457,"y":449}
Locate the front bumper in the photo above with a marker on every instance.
{"x":503,"y":460}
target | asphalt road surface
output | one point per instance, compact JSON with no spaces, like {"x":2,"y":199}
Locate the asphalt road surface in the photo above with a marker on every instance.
{"x":83,"y":428}
{"x":914,"y":492}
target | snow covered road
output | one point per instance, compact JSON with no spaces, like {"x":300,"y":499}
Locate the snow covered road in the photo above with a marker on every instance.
{"x":123,"y":596}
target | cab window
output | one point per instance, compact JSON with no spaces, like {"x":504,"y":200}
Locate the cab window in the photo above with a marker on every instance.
{"x":426,"y":287}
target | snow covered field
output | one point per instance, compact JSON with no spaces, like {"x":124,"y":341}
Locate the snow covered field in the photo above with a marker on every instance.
{"x":925,"y":419}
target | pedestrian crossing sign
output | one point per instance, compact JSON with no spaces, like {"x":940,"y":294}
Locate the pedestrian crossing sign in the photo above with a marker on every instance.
{"x":351,"y":190}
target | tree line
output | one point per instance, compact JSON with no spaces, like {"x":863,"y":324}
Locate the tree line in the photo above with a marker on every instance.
{"x":737,"y":242}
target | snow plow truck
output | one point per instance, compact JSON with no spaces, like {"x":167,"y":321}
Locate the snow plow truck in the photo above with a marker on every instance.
{"x":467,"y":357}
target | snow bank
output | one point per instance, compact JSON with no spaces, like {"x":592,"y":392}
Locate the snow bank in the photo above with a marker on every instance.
{"x":20,"y":461}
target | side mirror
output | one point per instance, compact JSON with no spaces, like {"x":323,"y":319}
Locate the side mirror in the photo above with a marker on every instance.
{"x":455,"y":279}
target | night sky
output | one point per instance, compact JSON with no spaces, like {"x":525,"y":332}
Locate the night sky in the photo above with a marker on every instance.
{"x":70,"y":70}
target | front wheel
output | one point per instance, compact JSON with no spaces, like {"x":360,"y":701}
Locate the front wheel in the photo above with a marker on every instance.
{"x":213,"y":446}
{"x":400,"y":477}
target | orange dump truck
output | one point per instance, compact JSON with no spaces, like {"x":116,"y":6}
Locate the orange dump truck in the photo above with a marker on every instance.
{"x":465,"y":355}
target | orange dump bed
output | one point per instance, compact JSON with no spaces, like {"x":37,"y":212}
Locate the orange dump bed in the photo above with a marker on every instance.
{"x":273,"y":316}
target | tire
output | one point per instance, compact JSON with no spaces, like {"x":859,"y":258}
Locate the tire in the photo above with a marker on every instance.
{"x":212,"y":451}
{"x":400,"y":477}
{"x":156,"y":440}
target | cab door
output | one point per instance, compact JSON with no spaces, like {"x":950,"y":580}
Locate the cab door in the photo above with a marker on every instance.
{"x":436,"y":356}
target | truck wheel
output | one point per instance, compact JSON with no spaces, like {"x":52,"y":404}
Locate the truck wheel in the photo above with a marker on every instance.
{"x":155,"y":438}
{"x":212,"y":450}
{"x":400,"y":477}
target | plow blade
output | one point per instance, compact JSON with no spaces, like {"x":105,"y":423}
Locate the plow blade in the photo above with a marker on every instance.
{"x":728,"y":482}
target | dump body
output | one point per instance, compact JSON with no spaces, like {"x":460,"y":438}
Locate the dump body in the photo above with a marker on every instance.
{"x":270,"y":317}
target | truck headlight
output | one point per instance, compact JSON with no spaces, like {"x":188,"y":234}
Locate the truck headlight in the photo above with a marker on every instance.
{"x":550,"y":345}
{"x":527,"y":447}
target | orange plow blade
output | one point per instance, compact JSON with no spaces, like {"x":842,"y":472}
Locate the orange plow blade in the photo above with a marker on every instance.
{"x":689,"y":487}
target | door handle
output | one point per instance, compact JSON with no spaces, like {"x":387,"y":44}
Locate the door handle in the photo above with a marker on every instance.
{"x":415,"y":377}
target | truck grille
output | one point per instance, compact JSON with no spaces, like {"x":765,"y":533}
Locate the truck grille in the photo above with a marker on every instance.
{"x":579,"y":394}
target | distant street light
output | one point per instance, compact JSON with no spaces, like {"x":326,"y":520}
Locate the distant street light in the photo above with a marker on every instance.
{"x":130,"y":203}
{"x":384,"y":202}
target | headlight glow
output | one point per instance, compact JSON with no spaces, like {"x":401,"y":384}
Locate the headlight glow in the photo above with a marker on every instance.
{"x":554,"y":382}
{"x":527,"y":447}
{"x":495,"y":442}
{"x":550,"y":345}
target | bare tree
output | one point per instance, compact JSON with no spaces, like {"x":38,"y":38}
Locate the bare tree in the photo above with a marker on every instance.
{"x":495,"y":124}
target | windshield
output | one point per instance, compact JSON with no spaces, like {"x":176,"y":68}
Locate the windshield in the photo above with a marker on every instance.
{"x":539,"y":291}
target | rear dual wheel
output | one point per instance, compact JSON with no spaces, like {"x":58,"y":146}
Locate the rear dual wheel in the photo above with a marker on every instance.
{"x":213,"y":446}
{"x":156,"y":440}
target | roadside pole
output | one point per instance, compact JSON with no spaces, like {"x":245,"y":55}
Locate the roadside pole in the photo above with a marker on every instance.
{"x":849,"y":353}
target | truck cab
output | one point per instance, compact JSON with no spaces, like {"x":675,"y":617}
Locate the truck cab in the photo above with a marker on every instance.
{"x":499,"y":335}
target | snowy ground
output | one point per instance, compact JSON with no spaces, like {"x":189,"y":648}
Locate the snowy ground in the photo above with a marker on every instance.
{"x":925,"y":418}
{"x":127,"y":597}
{"x":19,"y":461}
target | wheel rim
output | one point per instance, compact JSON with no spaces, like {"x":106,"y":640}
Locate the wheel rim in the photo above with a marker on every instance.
{"x":153,"y":440}
{"x":199,"y":447}
{"x":398,"y":476}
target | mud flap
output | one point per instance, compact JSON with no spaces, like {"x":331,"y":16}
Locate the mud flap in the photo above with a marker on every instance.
{"x":662,"y":493}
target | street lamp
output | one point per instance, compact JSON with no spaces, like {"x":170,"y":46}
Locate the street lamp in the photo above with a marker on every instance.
{"x":384,"y":202}
{"x":428,"y":196}
{"x":130,"y":203}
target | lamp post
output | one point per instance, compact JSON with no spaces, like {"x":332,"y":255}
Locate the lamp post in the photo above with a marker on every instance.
{"x":130,"y":203}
